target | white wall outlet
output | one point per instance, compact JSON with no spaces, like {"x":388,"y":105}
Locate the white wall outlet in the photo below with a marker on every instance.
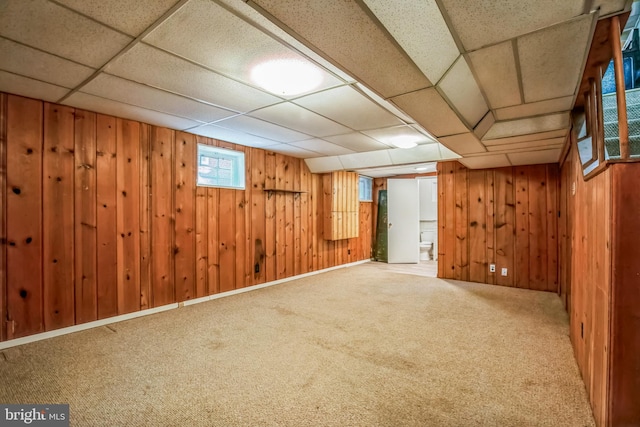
{"x":504,"y":271}
{"x":492,"y":268}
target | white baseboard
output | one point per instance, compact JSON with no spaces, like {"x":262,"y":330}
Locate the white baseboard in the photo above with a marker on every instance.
{"x":129,"y":316}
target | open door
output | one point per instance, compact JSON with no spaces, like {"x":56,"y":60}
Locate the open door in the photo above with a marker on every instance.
{"x":403,"y":209}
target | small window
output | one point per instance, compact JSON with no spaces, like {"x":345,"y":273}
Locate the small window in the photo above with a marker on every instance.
{"x":218,"y":167}
{"x":366,"y":189}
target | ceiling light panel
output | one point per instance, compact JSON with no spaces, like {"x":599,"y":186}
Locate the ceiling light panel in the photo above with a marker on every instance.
{"x":293,"y":151}
{"x":486,"y":161}
{"x":556,"y":142}
{"x":431,"y":111}
{"x":119,"y":109}
{"x":551,"y":60}
{"x":323,"y":147}
{"x":345,"y":33}
{"x":297,"y":118}
{"x":19,"y":85}
{"x":132,"y":18}
{"x":530,"y":137}
{"x":482,"y":23}
{"x":126,"y":91}
{"x":421,"y":31}
{"x":495,"y":67}
{"x":209,"y":34}
{"x":324,"y":164}
{"x":365,"y":160}
{"x":535,"y":157}
{"x":465,"y":143}
{"x":357,"y":141}
{"x":463,"y":92}
{"x":20,"y":59}
{"x":263,"y":129}
{"x":347,"y":106}
{"x":142,"y":63}
{"x":421,"y":153}
{"x":529,"y":125}
{"x":217,"y":132}
{"x":52,"y":28}
{"x":535,"y":108}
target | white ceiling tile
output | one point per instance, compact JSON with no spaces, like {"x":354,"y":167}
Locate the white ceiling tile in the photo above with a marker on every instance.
{"x":24,"y":86}
{"x":447,"y":154}
{"x":357,"y":141}
{"x":608,"y":7}
{"x":347,"y":106}
{"x":53,"y":28}
{"x":209,"y":34}
{"x":142,"y":63}
{"x":387,"y":135}
{"x":119,"y":109}
{"x":431,"y":111}
{"x":485,"y":124}
{"x":297,"y":118}
{"x":345,"y":33}
{"x":528,"y":145}
{"x":495,"y":67}
{"x":365,"y":160}
{"x":387,"y":105}
{"x":535,"y":109}
{"x":323,"y":147}
{"x":481,"y":23}
{"x":465,"y":143}
{"x":131,"y":17}
{"x":528,"y":137}
{"x":421,"y":153}
{"x":462,"y":90}
{"x":324,"y":164}
{"x":117,"y":89}
{"x":222,"y":134}
{"x":528,"y":125}
{"x":29,"y":62}
{"x":551,"y":60}
{"x":263,"y":129}
{"x":535,"y":157}
{"x":486,"y":161}
{"x":418,"y":26}
{"x":293,"y":151}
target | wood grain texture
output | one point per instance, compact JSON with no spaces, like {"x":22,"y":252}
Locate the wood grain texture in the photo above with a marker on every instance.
{"x":4,"y":107}
{"x":184,"y":213}
{"x":145,"y":218}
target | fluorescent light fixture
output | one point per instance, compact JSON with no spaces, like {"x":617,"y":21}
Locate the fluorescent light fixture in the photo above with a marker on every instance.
{"x":286,"y":77}
{"x":404,"y":141}
{"x":422,"y":168}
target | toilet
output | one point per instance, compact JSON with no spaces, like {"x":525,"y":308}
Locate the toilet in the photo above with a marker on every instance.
{"x":426,"y":245}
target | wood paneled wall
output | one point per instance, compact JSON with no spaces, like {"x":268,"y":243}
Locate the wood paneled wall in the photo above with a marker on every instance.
{"x":506,"y":216}
{"x":100,"y":216}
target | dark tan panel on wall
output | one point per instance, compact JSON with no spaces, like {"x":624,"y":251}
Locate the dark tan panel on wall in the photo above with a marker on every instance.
{"x":24,"y":217}
{"x":58,"y":216}
{"x":185,"y":203}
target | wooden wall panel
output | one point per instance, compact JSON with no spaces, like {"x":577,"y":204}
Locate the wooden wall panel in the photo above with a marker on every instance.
{"x":145,"y":218}
{"x":4,"y":106}
{"x":461,"y":257}
{"x":184,"y":213}
{"x":270,"y":218}
{"x":247,"y":257}
{"x":522,"y":230}
{"x":58,"y":216}
{"x":258,"y":217}
{"x":538,"y":228}
{"x":478,"y":267}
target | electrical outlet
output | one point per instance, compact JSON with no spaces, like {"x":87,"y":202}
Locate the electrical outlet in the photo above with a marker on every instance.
{"x":492,"y":268}
{"x":504,"y":271}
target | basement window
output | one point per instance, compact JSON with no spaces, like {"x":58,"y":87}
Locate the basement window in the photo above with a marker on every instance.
{"x":365,"y":189}
{"x":219,"y":167}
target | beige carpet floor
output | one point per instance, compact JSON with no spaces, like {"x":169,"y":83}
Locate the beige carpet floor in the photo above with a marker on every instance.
{"x":361,"y":346}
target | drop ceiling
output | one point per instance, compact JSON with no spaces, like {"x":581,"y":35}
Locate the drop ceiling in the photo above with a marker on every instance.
{"x":490,"y":83}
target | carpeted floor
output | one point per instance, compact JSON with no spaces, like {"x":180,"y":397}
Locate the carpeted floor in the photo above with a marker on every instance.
{"x":361,"y":346}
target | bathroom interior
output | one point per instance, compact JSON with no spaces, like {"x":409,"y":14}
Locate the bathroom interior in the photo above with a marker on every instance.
{"x":428,"y":188}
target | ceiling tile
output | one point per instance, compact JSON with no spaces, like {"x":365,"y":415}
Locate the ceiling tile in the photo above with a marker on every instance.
{"x":365,"y":160}
{"x":386,"y":135}
{"x":535,"y":109}
{"x":421,"y":153}
{"x":131,"y":17}
{"x":528,"y":145}
{"x":293,"y":151}
{"x":29,"y":62}
{"x":24,"y":86}
{"x":461,"y":89}
{"x":357,"y":141}
{"x":528,"y":125}
{"x":347,"y":106}
{"x":345,"y":33}
{"x":465,"y":143}
{"x":535,"y":157}
{"x":387,"y":105}
{"x":485,"y":124}
{"x":447,"y":154}
{"x":323,"y":147}
{"x":429,"y":109}
{"x":324,"y":164}
{"x":262,"y":129}
{"x":117,"y":89}
{"x":142,"y":62}
{"x":209,"y":34}
{"x":495,"y":67}
{"x":53,"y":28}
{"x":297,"y":118}
{"x":608,"y":7}
{"x":486,"y":161}
{"x":418,"y":26}
{"x":551,"y":60}
{"x":529,"y":137}
{"x":480,"y":23}
{"x":119,"y":109}
{"x":216,"y":132}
